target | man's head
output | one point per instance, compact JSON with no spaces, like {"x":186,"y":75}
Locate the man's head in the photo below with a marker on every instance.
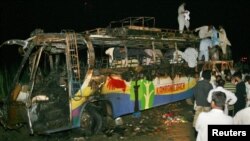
{"x":247,"y":79}
{"x":228,"y":78}
{"x":237,"y":76}
{"x":196,"y":76}
{"x":220,"y":82}
{"x":206,"y":74}
{"x":218,"y":100}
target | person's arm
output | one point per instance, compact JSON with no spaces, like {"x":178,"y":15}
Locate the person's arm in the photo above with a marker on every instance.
{"x":209,"y":97}
{"x":197,"y":29}
{"x":195,"y":91}
{"x":231,"y":98}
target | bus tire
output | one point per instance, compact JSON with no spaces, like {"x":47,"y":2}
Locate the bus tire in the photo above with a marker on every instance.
{"x":91,"y":121}
{"x":108,"y":121}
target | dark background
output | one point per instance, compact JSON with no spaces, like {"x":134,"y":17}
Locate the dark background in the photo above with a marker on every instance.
{"x":20,"y":17}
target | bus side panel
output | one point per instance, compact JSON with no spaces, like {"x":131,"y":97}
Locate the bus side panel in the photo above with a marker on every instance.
{"x":145,"y":94}
{"x":122,"y":104}
{"x":165,"y":99}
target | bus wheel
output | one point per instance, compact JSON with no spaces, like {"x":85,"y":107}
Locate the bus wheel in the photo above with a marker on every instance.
{"x":108,"y":121}
{"x":91,"y":122}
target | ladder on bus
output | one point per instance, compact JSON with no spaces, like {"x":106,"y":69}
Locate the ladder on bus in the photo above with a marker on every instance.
{"x":73,"y":61}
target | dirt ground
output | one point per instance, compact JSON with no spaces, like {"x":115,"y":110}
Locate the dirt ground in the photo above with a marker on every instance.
{"x":172,"y":122}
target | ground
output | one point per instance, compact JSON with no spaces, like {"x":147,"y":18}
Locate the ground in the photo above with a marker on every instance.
{"x":171,"y":122}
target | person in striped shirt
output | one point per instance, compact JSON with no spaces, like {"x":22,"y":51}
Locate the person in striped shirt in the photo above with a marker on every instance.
{"x":229,"y":84}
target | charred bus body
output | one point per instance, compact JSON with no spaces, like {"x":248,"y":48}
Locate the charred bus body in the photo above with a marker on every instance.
{"x":70,"y":80}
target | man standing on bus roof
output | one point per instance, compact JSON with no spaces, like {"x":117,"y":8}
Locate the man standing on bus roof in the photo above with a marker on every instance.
{"x":205,"y":46}
{"x":214,"y":37}
{"x":224,"y":42}
{"x":183,"y":18}
{"x":204,"y":31}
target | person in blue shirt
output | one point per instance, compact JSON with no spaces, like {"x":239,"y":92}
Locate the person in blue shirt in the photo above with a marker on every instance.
{"x":205,"y":46}
{"x":214,"y":37}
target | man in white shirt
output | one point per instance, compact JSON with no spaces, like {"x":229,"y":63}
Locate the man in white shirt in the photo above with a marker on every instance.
{"x":190,"y":55}
{"x":224,"y":42}
{"x":215,"y":116}
{"x":205,"y":44}
{"x":153,"y":53}
{"x":230,"y":97}
{"x":110,"y":52}
{"x":183,"y":18}
{"x":242,"y":116}
{"x":204,"y":31}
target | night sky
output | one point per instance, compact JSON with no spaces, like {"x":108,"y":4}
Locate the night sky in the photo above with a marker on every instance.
{"x":20,"y":17}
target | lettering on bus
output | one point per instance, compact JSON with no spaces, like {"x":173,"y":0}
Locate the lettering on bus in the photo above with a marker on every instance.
{"x":170,"y":88}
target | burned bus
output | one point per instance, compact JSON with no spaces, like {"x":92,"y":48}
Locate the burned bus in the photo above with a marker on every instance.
{"x":81,"y":80}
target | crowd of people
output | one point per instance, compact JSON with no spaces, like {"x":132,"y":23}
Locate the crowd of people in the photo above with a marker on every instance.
{"x":221,"y":98}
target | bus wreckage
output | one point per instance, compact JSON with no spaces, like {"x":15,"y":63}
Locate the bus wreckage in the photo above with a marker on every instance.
{"x":81,"y":80}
